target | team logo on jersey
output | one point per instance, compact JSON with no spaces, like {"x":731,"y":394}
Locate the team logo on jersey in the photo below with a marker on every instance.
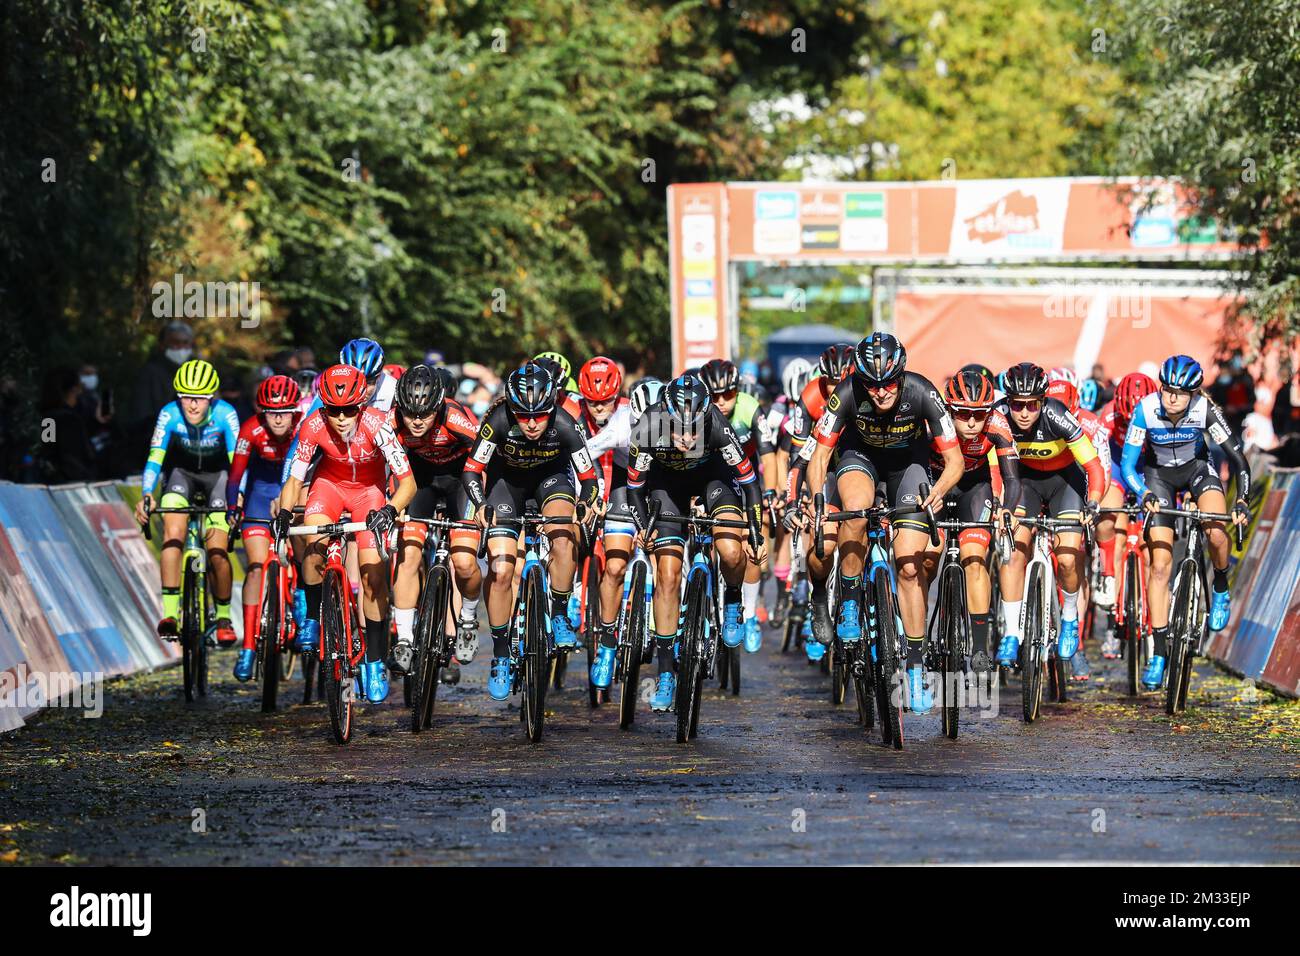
{"x":485,"y":431}
{"x":833,"y":403}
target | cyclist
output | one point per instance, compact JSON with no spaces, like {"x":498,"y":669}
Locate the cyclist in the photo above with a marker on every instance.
{"x":565,"y":380}
{"x":530,"y":443}
{"x":557,"y":366}
{"x":745,"y":414}
{"x":1061,"y":473}
{"x":834,"y":364}
{"x":193,"y":441}
{"x":897,"y":416}
{"x":684,"y":448}
{"x":1169,"y":433}
{"x":353,"y":444}
{"x":259,"y":457}
{"x":608,"y":420}
{"x":1115,"y":416}
{"x":982,"y":494}
{"x":794,"y":378}
{"x":437,"y":433}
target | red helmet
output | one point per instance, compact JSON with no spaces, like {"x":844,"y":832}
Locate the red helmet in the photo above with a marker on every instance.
{"x":1065,"y":393}
{"x":599,"y":380}
{"x":1132,"y":388}
{"x":341,"y":385}
{"x":968,"y":389}
{"x":279,"y":393}
{"x":394,"y":370}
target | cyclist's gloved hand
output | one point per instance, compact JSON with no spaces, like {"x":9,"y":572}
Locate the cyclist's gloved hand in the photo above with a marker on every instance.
{"x":1241,"y":511}
{"x":280,"y":523}
{"x":143,"y":507}
{"x":234,"y":516}
{"x":1093,"y":510}
{"x":792,"y":519}
{"x":380,"y":522}
{"x":1149,"y":500}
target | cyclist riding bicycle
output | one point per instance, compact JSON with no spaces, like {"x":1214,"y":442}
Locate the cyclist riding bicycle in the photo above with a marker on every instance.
{"x":897,"y":417}
{"x":353,"y":444}
{"x":1061,"y":472}
{"x":608,"y":420}
{"x":255,"y":472}
{"x":529,"y":442}
{"x":684,"y":448}
{"x":193,"y":442}
{"x":1168,"y":434}
{"x":437,"y":433}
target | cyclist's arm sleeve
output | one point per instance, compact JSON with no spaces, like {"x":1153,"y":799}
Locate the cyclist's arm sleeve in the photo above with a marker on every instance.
{"x":639,"y":464}
{"x":615,"y":435}
{"x":733,"y":453}
{"x":583,"y":466}
{"x":162,"y":433}
{"x":394,"y":454}
{"x":1134,"y":441}
{"x":290,"y":456}
{"x":1081,"y":447}
{"x":229,"y":425}
{"x":1222,"y":436}
{"x":839,"y":407}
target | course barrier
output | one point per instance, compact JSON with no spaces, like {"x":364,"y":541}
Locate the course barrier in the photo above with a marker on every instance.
{"x":79,"y":590}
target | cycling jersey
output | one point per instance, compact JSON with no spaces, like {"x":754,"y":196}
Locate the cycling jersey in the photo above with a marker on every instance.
{"x":444,"y":444}
{"x":917,"y":415}
{"x":994,"y":444}
{"x":1096,"y":431}
{"x":609,"y":443}
{"x":501,"y":442}
{"x":359,"y":459}
{"x":749,"y":422}
{"x":1056,"y":441}
{"x":1115,"y":427}
{"x":1157,"y":441}
{"x":201,"y":449}
{"x":381,"y":400}
{"x":256,"y":467}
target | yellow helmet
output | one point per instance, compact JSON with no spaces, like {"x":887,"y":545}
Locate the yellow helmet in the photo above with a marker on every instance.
{"x":196,"y":377}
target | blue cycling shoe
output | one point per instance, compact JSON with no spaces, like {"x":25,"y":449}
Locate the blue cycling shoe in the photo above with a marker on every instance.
{"x":920,"y":700}
{"x":299,"y":607}
{"x":1009,"y":650}
{"x":562,"y":631}
{"x":814,"y":650}
{"x":1154,"y":675}
{"x":244,"y":666}
{"x":849,"y":627}
{"x":602,"y":668}
{"x":666,"y":693}
{"x":575,"y":611}
{"x":733,"y":631}
{"x":1067,"y":644}
{"x":499,"y":678}
{"x":374,"y":681}
{"x":307,"y":639}
{"x":753,"y":635}
{"x":1220,"y":609}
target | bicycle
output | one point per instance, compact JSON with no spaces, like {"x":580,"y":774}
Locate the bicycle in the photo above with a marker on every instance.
{"x":1188,"y":608}
{"x":433,"y":647}
{"x":796,"y":595}
{"x":194,"y":595}
{"x":948,"y":638}
{"x":700,"y":622}
{"x":342,"y":641}
{"x":591,"y":569}
{"x":1042,"y":621}
{"x":635,"y":639}
{"x":1130,"y":616}
{"x":875,"y":664}
{"x":276,"y":657}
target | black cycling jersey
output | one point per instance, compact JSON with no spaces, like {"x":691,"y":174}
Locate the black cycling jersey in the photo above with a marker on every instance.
{"x":501,"y":442}
{"x":918,"y":415}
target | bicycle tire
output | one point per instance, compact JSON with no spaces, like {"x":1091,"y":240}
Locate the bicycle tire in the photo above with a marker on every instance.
{"x":863,"y":692}
{"x":1032,"y":646}
{"x":336,"y":670}
{"x":734,"y":664}
{"x":892,"y":678}
{"x":268,"y":640}
{"x":1182,"y":619}
{"x":1133,"y":640}
{"x":956,"y":649}
{"x":590,"y":619}
{"x":536,"y":656}
{"x":190,"y":635}
{"x":430,"y":623}
{"x":839,"y":684}
{"x":690,"y":669}
{"x":630,"y":647}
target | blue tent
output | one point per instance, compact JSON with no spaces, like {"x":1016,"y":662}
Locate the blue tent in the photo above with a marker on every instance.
{"x":805,"y":341}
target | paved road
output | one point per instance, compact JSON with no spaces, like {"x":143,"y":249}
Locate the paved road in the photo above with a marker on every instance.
{"x":776,"y":776}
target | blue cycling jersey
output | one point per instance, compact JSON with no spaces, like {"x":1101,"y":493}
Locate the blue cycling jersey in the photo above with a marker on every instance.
{"x":200,"y":448}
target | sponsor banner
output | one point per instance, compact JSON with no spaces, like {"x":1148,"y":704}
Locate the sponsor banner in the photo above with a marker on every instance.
{"x":26,"y":641}
{"x":698,"y":267}
{"x":1001,"y":219}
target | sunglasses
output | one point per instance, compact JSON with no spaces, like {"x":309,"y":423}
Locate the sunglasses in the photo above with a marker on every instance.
{"x":532,"y":419}
{"x":195,"y":398}
{"x":727,"y":395}
{"x":344,"y":411}
{"x":883,"y":389}
{"x":971,"y":414}
{"x":1027,"y":405}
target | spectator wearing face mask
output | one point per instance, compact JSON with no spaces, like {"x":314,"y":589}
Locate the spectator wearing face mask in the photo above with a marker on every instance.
{"x":153,"y":385}
{"x":96,"y":409}
{"x":65,"y":451}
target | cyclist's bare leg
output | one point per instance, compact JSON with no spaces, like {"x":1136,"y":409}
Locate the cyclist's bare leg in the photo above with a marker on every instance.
{"x":1216,"y":534}
{"x":173,"y":541}
{"x":979,"y":588}
{"x":217,"y":541}
{"x":857,"y":491}
{"x":667,"y":601}
{"x":564,"y":545}
{"x":909,"y":560}
{"x":729,"y":543}
{"x":618,"y":550}
{"x":1160,"y":552}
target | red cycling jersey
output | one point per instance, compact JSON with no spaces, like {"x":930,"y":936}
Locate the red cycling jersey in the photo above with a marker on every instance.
{"x":356,"y":460}
{"x":256,"y":442}
{"x":447,"y":441}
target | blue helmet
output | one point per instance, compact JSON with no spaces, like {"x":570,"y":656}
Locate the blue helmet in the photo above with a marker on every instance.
{"x":1181,"y":372}
{"x":687,"y":401}
{"x":530,"y":390}
{"x":364,"y":355}
{"x":1088,"y":394}
{"x":879,"y":359}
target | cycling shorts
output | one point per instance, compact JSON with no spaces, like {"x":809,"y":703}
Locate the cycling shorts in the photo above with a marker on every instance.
{"x":713,"y":483}
{"x":511,"y":489}
{"x":331,"y":498}
{"x":898,"y":480}
{"x":1166,"y":481}
{"x":201,"y":487}
{"x":1061,"y":492}
{"x":439,"y":492}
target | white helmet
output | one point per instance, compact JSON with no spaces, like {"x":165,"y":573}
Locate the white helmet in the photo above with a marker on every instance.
{"x":1063,"y":374}
{"x":795,"y":376}
{"x":645,"y":394}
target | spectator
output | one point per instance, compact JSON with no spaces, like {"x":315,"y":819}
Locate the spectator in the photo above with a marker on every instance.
{"x":232,"y":391}
{"x":1105,"y":387}
{"x":1234,"y":391}
{"x":305,"y":356}
{"x":66,"y":454}
{"x":153,"y":385}
{"x":96,"y":409}
{"x":1257,"y":428}
{"x":1286,"y":409}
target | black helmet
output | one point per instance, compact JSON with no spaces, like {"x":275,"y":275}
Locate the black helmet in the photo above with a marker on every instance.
{"x":553,"y":368}
{"x":447,"y":378}
{"x":879,"y":359}
{"x":420,"y":391}
{"x":836,"y":361}
{"x":720,"y":375}
{"x":1026,"y":379}
{"x":530,"y":390}
{"x":687,"y":400}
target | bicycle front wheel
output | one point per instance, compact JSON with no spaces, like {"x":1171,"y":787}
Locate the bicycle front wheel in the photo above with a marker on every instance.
{"x":335,"y":667}
{"x":430,"y":622}
{"x":268,"y":638}
{"x":1032,"y":645}
{"x":1183,"y":624}
{"x":630,"y":645}
{"x":1133,"y":638}
{"x":536,"y":659}
{"x":893,"y":681}
{"x":690,"y":664}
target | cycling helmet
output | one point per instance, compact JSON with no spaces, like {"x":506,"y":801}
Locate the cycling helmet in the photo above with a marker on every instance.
{"x":983,"y":370}
{"x":196,"y":377}
{"x":1065,"y":393}
{"x":306,"y":379}
{"x":530,"y":390}
{"x":341,"y":385}
{"x":1089,"y":393}
{"x":1063,"y":374}
{"x":836,"y":362}
{"x":795,"y":376}
{"x":968,"y":389}
{"x":879,"y":359}
{"x":1181,"y":372}
{"x":687,"y":399}
{"x":1026,"y":379}
{"x":719,"y":376}
{"x":647,"y":392}
{"x":1002,"y":382}
{"x":600,"y":380}
{"x":1132,"y":388}
{"x":394,"y":370}
{"x":363,"y":354}
{"x":565,"y":378}
{"x":446,"y":377}
{"x":279,"y":393}
{"x":420,"y":391}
